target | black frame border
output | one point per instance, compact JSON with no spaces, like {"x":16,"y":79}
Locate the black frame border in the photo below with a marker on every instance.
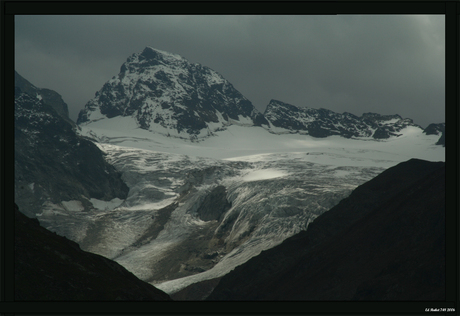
{"x":451,"y":10}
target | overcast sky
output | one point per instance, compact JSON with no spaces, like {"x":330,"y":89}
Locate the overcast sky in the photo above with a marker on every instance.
{"x":357,"y":64}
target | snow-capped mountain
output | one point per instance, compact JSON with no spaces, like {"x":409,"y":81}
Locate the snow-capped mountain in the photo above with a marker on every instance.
{"x":165,"y":93}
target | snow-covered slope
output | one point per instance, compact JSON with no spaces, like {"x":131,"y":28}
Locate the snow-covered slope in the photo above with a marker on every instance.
{"x":158,"y":232}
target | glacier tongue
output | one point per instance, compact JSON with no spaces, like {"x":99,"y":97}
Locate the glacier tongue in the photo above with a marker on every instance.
{"x":157,"y":232}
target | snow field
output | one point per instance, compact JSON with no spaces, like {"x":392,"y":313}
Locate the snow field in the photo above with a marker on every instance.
{"x":239,"y":141}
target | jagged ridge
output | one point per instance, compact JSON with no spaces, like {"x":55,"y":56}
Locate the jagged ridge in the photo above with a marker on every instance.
{"x":48,"y":96}
{"x":324,"y":123}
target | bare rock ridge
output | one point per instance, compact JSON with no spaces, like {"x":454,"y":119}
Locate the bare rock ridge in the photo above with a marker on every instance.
{"x":214,"y":205}
{"x":324,"y":123}
{"x":49,"y":267}
{"x":386,"y":241}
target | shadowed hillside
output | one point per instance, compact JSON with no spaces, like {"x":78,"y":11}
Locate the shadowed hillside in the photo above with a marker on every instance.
{"x":51,"y":267}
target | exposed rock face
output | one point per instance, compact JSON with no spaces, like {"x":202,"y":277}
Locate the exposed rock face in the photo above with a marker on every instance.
{"x":166,"y":93}
{"x":437,"y":129}
{"x":53,"y":164}
{"x":49,"y":267}
{"x":214,"y":205}
{"x":324,"y":123}
{"x":386,"y":241}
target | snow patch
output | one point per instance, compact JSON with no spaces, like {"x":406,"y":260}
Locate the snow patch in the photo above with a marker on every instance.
{"x":106,"y":205}
{"x":73,"y":206}
{"x":263,"y":174}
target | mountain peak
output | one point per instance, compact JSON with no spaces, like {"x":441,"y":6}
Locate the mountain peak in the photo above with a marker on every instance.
{"x":153,"y":53}
{"x":150,"y":58}
{"x":165,"y":93}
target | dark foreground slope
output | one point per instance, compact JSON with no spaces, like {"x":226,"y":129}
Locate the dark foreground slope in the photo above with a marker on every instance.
{"x":386,"y":241}
{"x":51,"y":267}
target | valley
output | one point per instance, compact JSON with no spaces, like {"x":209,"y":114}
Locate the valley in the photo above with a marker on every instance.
{"x":188,"y":180}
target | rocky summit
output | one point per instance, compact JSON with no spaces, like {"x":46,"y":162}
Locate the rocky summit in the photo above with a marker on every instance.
{"x":166,"y":93}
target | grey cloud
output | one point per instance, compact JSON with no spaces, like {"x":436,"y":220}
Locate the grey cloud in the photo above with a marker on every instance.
{"x":383,"y":64}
